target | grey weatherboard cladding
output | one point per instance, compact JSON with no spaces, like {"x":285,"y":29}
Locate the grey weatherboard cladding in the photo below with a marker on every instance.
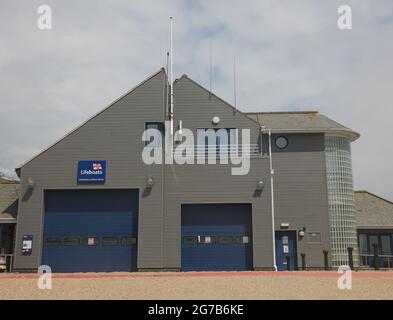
{"x":300,"y":191}
{"x":192,"y":184}
{"x":115,"y":135}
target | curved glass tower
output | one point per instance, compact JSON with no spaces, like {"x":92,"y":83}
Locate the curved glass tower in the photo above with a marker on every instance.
{"x":341,"y":200}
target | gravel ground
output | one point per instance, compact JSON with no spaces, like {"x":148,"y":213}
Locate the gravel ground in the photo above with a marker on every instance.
{"x":321,"y":285}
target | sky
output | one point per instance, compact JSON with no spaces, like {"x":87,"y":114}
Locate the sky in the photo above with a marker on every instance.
{"x":290,"y":56}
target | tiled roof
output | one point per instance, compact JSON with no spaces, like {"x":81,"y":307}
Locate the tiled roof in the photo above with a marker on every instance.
{"x":9,"y":192}
{"x":373,"y":211}
{"x":303,"y":121}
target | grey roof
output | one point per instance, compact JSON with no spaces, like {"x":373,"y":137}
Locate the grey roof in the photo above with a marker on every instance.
{"x":302,"y":121}
{"x":9,"y":192}
{"x":373,"y":212}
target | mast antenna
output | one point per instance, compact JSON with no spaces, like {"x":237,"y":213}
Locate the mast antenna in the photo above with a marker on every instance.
{"x":171,"y":76}
{"x":234,"y":81}
{"x":211,"y":67}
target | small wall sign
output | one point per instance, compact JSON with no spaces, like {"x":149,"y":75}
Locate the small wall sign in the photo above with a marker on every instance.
{"x":91,"y":171}
{"x":27,"y":244}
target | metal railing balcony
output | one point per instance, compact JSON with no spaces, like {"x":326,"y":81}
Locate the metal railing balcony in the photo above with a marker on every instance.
{"x":220,"y":151}
{"x":385,"y":260}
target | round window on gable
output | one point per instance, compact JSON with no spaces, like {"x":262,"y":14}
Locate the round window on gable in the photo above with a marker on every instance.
{"x":281,"y":142}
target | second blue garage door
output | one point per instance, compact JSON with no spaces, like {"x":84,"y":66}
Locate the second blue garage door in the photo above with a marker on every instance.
{"x":216,"y":237}
{"x":90,"y":230}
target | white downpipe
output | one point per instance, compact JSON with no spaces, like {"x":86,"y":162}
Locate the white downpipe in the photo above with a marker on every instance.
{"x":272,"y":200}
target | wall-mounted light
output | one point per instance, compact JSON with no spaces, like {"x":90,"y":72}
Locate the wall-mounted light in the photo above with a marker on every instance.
{"x":30,"y":183}
{"x":216,"y":120}
{"x":149,"y":182}
{"x":260,"y":185}
{"x":302,"y":232}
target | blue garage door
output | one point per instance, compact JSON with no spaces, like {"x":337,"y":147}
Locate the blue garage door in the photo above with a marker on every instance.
{"x":90,"y":230}
{"x":216,"y":237}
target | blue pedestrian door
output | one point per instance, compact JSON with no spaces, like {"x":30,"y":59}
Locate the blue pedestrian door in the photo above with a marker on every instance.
{"x":286,"y":247}
{"x":216,"y":237}
{"x":90,"y":230}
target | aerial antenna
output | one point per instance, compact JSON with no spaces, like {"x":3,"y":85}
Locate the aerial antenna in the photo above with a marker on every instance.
{"x":211,"y":67}
{"x":167,"y":72}
{"x":234,"y":82}
{"x":171,"y":77}
{"x":167,"y":61}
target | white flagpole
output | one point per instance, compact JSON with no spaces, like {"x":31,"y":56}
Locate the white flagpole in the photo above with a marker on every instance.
{"x":171,"y":77}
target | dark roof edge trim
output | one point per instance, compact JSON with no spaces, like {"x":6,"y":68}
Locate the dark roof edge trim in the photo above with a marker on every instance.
{"x":375,"y":227}
{"x":282,"y":112}
{"x":350,"y":134}
{"x":8,"y":221}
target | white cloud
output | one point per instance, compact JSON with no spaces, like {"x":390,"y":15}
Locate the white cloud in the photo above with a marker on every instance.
{"x":290,"y":56}
{"x":8,"y":174}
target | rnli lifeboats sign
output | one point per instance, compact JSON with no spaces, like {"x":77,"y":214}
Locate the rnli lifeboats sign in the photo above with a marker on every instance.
{"x":91,"y":171}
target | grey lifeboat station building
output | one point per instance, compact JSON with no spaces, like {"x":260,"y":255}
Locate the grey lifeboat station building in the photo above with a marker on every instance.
{"x":89,"y":203}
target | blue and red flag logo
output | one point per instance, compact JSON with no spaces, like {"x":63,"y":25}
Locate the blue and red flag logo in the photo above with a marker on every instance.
{"x":97,"y":166}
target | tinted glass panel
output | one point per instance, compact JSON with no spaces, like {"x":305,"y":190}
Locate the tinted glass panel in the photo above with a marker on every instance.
{"x":91,"y":241}
{"x":207,"y":239}
{"x":190,"y":239}
{"x":363,"y":243}
{"x":53,"y":241}
{"x":373,"y":240}
{"x":385,"y":244}
{"x":242,"y":239}
{"x":281,"y":142}
{"x":364,"y":260}
{"x":157,"y":136}
{"x":71,"y":241}
{"x":128,"y":241}
{"x":110,"y":241}
{"x":225,"y":239}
